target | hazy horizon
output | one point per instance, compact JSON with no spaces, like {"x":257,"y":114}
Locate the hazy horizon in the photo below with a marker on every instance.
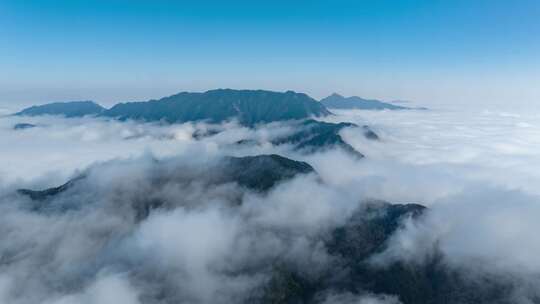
{"x":514,"y":107}
{"x":432,"y":53}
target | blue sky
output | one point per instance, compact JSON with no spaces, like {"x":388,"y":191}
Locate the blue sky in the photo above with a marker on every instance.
{"x":429,"y":51}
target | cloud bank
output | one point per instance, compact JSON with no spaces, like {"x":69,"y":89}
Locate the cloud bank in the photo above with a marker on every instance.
{"x":224,"y":243}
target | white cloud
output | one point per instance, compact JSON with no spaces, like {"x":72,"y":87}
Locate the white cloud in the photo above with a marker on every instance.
{"x":108,"y":289}
{"x":477,"y":171}
{"x":348,"y":298}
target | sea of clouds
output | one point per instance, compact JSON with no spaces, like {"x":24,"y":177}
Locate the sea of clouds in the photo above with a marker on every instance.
{"x":477,"y":171}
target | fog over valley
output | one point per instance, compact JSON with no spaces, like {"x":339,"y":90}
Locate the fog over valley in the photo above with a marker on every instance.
{"x":323,"y":205}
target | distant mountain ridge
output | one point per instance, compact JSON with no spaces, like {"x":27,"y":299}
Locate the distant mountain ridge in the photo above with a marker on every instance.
{"x":68,"y":109}
{"x":249,"y":107}
{"x":336,"y":101}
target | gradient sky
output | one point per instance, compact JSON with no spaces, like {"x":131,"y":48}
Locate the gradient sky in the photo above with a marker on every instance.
{"x":429,"y":51}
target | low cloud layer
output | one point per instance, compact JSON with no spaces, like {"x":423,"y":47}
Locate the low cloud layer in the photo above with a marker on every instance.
{"x":58,"y":147}
{"x":477,"y":172}
{"x":457,"y":146}
{"x":91,"y":245}
{"x":347,"y":298}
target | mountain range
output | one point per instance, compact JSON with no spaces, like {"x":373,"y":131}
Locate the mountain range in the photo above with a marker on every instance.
{"x":67,"y":109}
{"x":336,"y":101}
{"x":249,"y":107}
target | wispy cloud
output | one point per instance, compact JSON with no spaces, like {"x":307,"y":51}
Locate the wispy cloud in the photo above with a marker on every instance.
{"x":476,"y":172}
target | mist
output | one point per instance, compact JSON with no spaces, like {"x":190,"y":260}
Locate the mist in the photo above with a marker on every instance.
{"x":220,"y":242}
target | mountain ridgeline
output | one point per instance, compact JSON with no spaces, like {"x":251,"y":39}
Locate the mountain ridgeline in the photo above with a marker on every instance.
{"x":249,"y":107}
{"x":257,"y":173}
{"x":312,"y":135}
{"x":336,"y":101}
{"x":67,"y":109}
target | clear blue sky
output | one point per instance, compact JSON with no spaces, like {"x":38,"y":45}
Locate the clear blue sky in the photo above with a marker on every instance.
{"x":430,"y":51}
